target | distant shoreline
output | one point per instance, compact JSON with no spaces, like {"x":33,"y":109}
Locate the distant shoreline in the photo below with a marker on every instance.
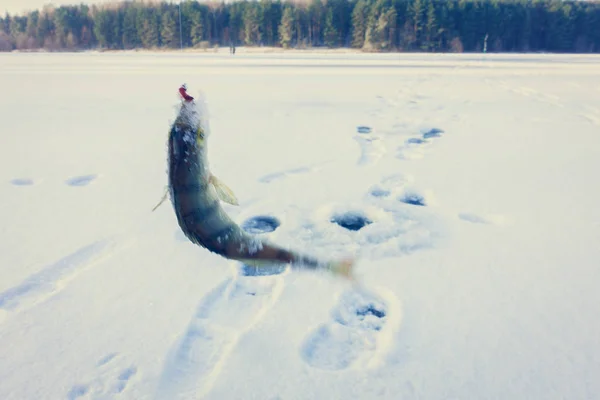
{"x":241,"y":50}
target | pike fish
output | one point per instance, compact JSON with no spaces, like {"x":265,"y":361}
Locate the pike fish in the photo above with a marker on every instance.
{"x":197,"y":195}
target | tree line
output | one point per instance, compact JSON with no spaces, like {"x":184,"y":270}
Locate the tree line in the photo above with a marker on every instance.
{"x":370,"y":25}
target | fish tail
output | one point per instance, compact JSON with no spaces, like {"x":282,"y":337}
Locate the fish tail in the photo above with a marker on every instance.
{"x":343,"y":268}
{"x":270,"y":255}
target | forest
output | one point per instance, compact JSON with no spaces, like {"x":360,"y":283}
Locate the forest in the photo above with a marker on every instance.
{"x":369,"y":25}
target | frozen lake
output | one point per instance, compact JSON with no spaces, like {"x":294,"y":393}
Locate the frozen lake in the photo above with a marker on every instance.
{"x":464,"y":184}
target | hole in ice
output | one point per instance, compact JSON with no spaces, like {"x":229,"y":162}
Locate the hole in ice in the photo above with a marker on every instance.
{"x":433,"y":132}
{"x":22,"y":182}
{"x":363,"y":129}
{"x":260,"y":224}
{"x":414,"y":199}
{"x":251,"y":270}
{"x":378,"y":192}
{"x":415,"y":141}
{"x":81,"y":180}
{"x":370,"y":309}
{"x":352,"y":221}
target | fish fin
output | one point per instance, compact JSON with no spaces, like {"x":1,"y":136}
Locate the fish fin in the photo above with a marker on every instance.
{"x":163,"y":199}
{"x":224,"y":193}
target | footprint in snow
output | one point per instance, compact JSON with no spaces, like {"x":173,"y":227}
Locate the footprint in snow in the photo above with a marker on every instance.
{"x":487,"y":219}
{"x":287,"y":173}
{"x":52,"y":278}
{"x":106,"y":359}
{"x":77,"y":392}
{"x":110,"y":377}
{"x":22,"y":182}
{"x":387,"y":227}
{"x":82,"y":180}
{"x":592,"y":116}
{"x":399,"y":229}
{"x":123,"y":379}
{"x":372,"y":148}
{"x":415,"y":147}
{"x":389,"y":185}
{"x":359,"y":333}
{"x":222,"y":317}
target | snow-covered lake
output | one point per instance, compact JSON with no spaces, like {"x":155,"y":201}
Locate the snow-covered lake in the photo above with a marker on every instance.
{"x":475,"y":177}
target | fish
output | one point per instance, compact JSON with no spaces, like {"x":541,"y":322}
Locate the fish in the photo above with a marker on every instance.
{"x":197,"y":195}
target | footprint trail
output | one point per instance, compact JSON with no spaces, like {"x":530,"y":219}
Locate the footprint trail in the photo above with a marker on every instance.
{"x":110,"y":379}
{"x":372,"y":147}
{"x":52,"y":278}
{"x":222,"y":317}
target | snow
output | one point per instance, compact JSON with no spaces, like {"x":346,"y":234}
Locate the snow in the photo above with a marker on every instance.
{"x":473,"y":177}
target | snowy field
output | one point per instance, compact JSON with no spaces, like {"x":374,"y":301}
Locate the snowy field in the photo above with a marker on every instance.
{"x":475,"y":177}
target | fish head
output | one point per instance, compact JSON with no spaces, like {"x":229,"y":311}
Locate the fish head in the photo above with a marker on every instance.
{"x":192,"y":124}
{"x":191,"y":120}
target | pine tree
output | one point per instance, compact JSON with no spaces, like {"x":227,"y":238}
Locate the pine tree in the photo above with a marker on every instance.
{"x":417,"y":21}
{"x":286,"y":28}
{"x":5,"y":24}
{"x":302,"y":22}
{"x":428,"y":25}
{"x":331,"y":38}
{"x":197,"y":28}
{"x":430,"y":29}
{"x":6,"y":43}
{"x":103,"y":28}
{"x":32,"y":28}
{"x":271,"y":18}
{"x":359,"y":23}
{"x":391,"y":17}
{"x":236,"y":23}
{"x":251,"y":20}
{"x":169,"y":32}
{"x":130,"y":35}
{"x":316,"y":12}
{"x":148,"y":28}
